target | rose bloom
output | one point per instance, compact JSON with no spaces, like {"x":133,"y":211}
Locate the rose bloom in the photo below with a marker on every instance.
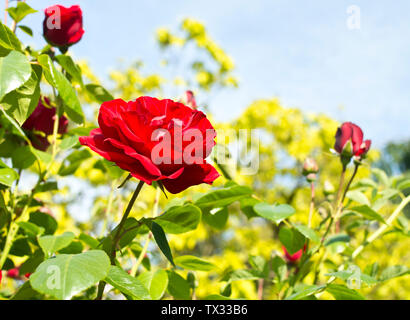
{"x":42,"y":120}
{"x":156,"y":140}
{"x":350,"y":132}
{"x":63,"y":26}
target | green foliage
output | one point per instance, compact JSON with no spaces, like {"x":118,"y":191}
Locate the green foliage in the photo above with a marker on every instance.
{"x":213,"y":246}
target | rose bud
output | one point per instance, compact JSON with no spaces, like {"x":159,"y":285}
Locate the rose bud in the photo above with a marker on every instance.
{"x":63,"y":27}
{"x":155,"y":140}
{"x":13,"y":273}
{"x":310,"y":168}
{"x":42,"y":120}
{"x":349,"y":142}
{"x":1,"y":275}
{"x":191,"y":102}
{"x":293,"y":258}
{"x":27,"y":275}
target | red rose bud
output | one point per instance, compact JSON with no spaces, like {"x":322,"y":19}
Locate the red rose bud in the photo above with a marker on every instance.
{"x":349,"y":141}
{"x":42,"y":120}
{"x":293,"y":258}
{"x":27,"y":275}
{"x":155,"y":140}
{"x":191,"y":102}
{"x":13,"y":273}
{"x":62,"y":27}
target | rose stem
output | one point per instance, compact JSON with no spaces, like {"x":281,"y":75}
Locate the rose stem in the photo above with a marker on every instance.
{"x":339,"y":209}
{"x":117,"y":237}
{"x":312,"y":203}
{"x":145,"y":248}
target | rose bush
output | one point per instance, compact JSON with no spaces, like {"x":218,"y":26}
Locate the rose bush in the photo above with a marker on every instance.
{"x":304,"y":228}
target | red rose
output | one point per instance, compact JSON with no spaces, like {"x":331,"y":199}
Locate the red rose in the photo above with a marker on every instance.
{"x":63,"y":26}
{"x":155,"y":140}
{"x":13,"y":273}
{"x":42,"y":119}
{"x":293,"y":258}
{"x":349,"y":132}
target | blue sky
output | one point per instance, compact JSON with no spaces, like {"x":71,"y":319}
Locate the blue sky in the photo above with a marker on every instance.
{"x":301,"y":52}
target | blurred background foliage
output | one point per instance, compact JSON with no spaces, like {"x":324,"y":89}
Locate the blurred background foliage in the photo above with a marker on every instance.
{"x":287,"y":137}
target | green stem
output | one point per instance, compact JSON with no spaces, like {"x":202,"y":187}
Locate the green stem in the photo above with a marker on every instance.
{"x":312,"y":203}
{"x":117,"y":235}
{"x":340,"y":206}
{"x":145,"y":248}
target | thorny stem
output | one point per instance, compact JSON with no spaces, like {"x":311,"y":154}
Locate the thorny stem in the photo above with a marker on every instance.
{"x":117,"y":235}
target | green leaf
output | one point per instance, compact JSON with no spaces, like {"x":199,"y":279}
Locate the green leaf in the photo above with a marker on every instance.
{"x":307,"y":232}
{"x":66,"y":275}
{"x":394,"y":272}
{"x":15,"y":70}
{"x":26,"y":292}
{"x":193,"y":263}
{"x":381,"y":176}
{"x":346,"y":275}
{"x":15,"y":125}
{"x":127,"y":284}
{"x":44,"y":220}
{"x":305,"y":292}
{"x":52,"y":244}
{"x":21,"y":10}
{"x":279,"y":267}
{"x":88,"y":240}
{"x":368,"y":213}
{"x":156,"y":282}
{"x":98,"y":93}
{"x":160,"y":239}
{"x":30,"y":228}
{"x":275,"y":213}
{"x":67,"y":63}
{"x":337,"y":238}
{"x":404,"y":185}
{"x":292,"y":239}
{"x":178,"y":287}
{"x":180,"y":219}
{"x":341,"y":292}
{"x":73,"y":161}
{"x":358,"y":196}
{"x":73,"y":248}
{"x":8,"y":41}
{"x":20,"y":103}
{"x":26,"y":30}
{"x":223,"y":197}
{"x":7,"y":176}
{"x":22,"y":157}
{"x":64,"y":87}
{"x":69,"y":142}
{"x":216,"y":218}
